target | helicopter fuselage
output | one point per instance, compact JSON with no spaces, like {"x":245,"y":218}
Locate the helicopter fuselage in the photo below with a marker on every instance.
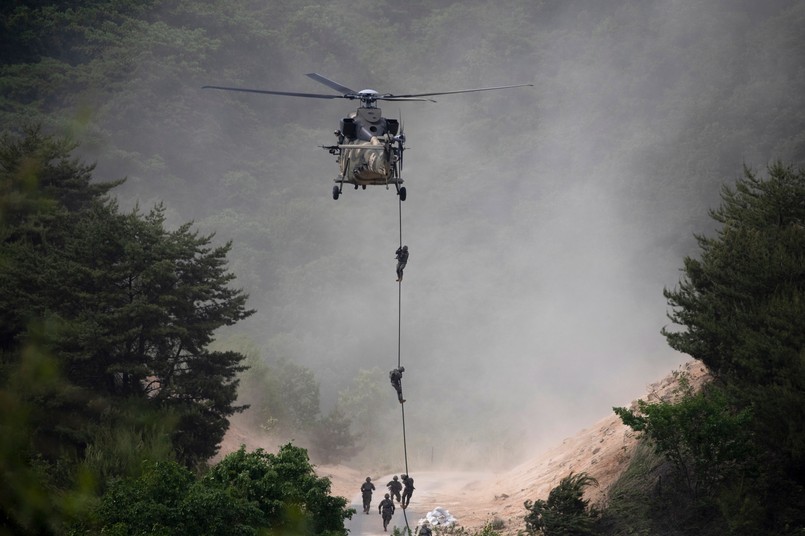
{"x":369,"y":149}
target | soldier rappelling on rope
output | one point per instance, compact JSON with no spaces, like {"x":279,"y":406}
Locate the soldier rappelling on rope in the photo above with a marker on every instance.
{"x":408,"y":483}
{"x":396,"y":381}
{"x":402,"y":260}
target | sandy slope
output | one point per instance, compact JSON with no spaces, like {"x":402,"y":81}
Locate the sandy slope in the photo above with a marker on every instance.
{"x":603,"y":451}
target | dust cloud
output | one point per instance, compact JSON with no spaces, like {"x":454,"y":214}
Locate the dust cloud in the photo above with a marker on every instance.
{"x":543,"y":222}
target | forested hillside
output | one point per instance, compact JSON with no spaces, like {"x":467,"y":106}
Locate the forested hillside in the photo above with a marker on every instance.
{"x":112,"y":399}
{"x":543,"y":222}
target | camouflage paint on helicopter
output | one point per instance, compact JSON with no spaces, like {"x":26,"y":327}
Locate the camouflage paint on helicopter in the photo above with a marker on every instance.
{"x":369,"y":148}
{"x":368,"y":165}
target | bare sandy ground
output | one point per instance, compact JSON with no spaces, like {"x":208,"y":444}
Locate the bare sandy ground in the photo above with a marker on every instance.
{"x":477,"y":498}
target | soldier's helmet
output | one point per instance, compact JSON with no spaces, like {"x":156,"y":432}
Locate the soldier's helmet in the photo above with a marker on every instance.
{"x":402,"y":369}
{"x":405,"y":476}
{"x":368,"y":479}
{"x":387,"y":495}
{"x":405,"y":248}
{"x":395,"y":477}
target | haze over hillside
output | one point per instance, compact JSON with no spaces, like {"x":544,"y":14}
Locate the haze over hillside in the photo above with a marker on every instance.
{"x":543,"y":222}
{"x":603,"y":449}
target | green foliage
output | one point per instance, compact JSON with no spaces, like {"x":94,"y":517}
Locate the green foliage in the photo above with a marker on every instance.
{"x":741,"y":303}
{"x":284,"y":396}
{"x":299,"y":390}
{"x":245,"y":493}
{"x":285,"y":489}
{"x":737,"y":446}
{"x":647,"y":500}
{"x":742,"y":309}
{"x":128,"y":433}
{"x":632,"y":498}
{"x":368,"y":401}
{"x":566,"y":512}
{"x":332,"y":438}
{"x":360,"y":400}
{"x":33,"y":497}
{"x":131,"y":306}
{"x":705,"y":438}
{"x":167,"y":499}
{"x":120,"y":312}
{"x":284,"y":400}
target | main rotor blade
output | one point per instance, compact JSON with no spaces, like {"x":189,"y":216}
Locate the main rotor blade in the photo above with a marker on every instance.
{"x":399,"y":98}
{"x":286,"y":93}
{"x":344,"y":90}
{"x":390,"y":96}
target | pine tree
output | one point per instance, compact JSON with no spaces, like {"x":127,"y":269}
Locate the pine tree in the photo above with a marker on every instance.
{"x":741,"y":302}
{"x":741,"y":307}
{"x":130,"y":307}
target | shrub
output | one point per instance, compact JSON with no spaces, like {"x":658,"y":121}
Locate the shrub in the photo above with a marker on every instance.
{"x":566,"y":512}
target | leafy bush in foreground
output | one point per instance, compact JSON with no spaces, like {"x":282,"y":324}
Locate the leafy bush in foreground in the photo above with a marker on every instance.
{"x":243,"y":494}
{"x":566,"y":512}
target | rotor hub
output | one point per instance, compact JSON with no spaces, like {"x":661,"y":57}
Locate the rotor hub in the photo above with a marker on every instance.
{"x":368,"y":97}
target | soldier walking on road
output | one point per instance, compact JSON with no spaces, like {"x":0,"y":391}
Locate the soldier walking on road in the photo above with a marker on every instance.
{"x":386,"y":509}
{"x":408,"y":482}
{"x":395,"y":487}
{"x":396,"y":381}
{"x":366,"y":491}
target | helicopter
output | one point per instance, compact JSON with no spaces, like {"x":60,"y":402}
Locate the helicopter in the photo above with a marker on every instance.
{"x":369,"y":147}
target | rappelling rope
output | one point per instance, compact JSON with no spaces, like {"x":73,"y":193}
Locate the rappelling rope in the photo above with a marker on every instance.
{"x":399,"y":297}
{"x":399,"y":361}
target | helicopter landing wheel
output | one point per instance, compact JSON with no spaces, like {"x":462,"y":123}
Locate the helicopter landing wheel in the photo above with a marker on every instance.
{"x":402,"y":193}
{"x":336,"y":191}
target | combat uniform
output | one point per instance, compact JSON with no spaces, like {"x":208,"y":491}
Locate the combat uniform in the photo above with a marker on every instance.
{"x":402,"y":260}
{"x":408,"y":482}
{"x":396,"y":381}
{"x":386,"y":509}
{"x":395,"y":487}
{"x":366,"y":490}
